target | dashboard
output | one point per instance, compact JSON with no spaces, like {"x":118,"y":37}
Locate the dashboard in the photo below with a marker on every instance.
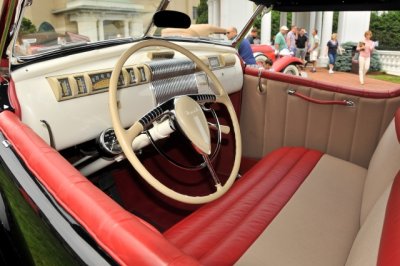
{"x":69,"y":95}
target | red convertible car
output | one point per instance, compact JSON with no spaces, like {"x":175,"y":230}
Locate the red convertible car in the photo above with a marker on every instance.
{"x":125,"y":147}
{"x":286,"y":64}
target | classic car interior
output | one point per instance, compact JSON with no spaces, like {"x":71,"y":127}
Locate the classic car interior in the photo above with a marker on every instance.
{"x":176,"y":153}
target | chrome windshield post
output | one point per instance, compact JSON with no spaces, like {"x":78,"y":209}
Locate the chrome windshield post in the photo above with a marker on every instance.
{"x":163,"y":6}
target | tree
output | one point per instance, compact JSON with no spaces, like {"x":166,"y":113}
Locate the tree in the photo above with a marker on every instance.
{"x":202,"y":12}
{"x":335,"y":21}
{"x":386,"y":29}
{"x":27,"y":26}
{"x":275,"y":21}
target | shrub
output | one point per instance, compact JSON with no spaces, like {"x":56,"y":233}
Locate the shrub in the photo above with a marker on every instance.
{"x":344,"y":61}
{"x":27,"y":26}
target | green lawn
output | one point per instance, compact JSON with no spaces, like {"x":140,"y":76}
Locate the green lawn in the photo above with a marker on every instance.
{"x":37,"y":243}
{"x":386,"y":77}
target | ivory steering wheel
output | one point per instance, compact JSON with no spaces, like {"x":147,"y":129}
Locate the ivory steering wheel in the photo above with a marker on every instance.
{"x":126,"y":136}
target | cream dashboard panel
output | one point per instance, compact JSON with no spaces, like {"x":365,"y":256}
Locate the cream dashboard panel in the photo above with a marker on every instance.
{"x":76,"y":115}
{"x":80,"y":119}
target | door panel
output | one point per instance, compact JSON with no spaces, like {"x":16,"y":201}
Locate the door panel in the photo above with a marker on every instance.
{"x":274,"y":118}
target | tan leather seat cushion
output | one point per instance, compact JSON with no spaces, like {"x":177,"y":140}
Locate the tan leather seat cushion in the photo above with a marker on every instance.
{"x":364,"y":251}
{"x":319,"y":224}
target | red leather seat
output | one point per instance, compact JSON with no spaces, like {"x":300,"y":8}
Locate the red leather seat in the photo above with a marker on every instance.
{"x":224,"y":231}
{"x":221,"y":231}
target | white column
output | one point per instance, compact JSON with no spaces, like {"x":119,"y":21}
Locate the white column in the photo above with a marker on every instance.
{"x":131,"y":28}
{"x":283,"y":19}
{"x":294,"y":19}
{"x":301,"y":19}
{"x":216,"y":13}
{"x":266,"y":28}
{"x":86,"y":26}
{"x":313,"y":17}
{"x":325,"y":36}
{"x":326,"y":27}
{"x":229,"y":13}
{"x":137,"y":27}
{"x":210,"y":4}
{"x":342,"y":26}
{"x":126,"y":28}
{"x":352,"y":26}
{"x":100,"y":29}
{"x":318,"y":25}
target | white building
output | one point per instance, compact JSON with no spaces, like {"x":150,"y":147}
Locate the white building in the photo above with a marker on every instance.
{"x":106,"y":19}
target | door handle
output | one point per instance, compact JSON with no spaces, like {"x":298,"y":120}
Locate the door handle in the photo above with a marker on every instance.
{"x":317,"y":101}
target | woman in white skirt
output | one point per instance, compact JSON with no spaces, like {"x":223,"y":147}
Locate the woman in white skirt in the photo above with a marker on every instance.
{"x":365,"y":48}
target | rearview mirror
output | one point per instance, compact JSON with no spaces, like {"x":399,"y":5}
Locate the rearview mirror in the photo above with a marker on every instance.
{"x":171,"y":19}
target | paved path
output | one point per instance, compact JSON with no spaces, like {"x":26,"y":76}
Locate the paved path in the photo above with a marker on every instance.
{"x":350,"y":79}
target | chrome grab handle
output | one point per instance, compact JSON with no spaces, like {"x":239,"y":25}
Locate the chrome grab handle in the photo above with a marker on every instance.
{"x":345,"y":102}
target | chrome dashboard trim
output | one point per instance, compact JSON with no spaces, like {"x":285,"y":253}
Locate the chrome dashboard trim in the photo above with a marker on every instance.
{"x":162,"y":69}
{"x":165,"y":89}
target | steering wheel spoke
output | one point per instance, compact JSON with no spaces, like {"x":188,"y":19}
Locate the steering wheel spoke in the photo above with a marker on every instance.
{"x":212,"y":171}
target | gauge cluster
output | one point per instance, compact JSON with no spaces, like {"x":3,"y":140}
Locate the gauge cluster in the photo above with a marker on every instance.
{"x":82,"y":84}
{"x":108,"y":143}
{"x":76,"y":85}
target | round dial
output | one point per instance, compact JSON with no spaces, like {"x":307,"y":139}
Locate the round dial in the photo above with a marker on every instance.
{"x":108,"y":142}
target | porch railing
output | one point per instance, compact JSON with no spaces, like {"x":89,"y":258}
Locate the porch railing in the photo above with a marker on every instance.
{"x":390,"y":61}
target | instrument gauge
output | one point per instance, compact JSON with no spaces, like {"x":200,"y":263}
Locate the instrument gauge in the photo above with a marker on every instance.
{"x":143,"y":76}
{"x":66,"y":90}
{"x":108,"y":143}
{"x":82,"y":88}
{"x":132,"y":75}
{"x":101,"y":80}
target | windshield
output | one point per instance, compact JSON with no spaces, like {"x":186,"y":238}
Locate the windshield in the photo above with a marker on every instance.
{"x":50,"y":25}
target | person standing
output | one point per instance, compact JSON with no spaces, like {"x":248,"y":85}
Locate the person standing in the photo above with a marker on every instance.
{"x":365,"y":48}
{"x":280,"y":42}
{"x":332,"y":47}
{"x":314,"y":47}
{"x":291,"y":39}
{"x":245,"y":51}
{"x":302,"y":44}
{"x":252,"y":36}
